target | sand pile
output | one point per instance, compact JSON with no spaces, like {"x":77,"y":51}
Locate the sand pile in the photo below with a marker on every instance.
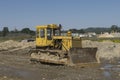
{"x":106,"y":50}
{"x":10,"y":44}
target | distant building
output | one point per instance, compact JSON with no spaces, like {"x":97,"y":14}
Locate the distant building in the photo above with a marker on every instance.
{"x":89,"y":34}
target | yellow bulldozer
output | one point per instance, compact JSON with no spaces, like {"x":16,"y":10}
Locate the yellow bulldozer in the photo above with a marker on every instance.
{"x":55,"y":48}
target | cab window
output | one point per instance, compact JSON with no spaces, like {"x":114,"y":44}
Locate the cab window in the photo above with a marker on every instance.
{"x":42,"y":33}
{"x":57,"y":32}
{"x":49,"y":33}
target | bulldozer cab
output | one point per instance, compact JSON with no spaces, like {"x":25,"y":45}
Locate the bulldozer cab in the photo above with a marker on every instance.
{"x":45,"y":33}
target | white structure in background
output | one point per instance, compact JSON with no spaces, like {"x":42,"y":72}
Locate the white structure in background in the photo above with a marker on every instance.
{"x":82,"y":35}
{"x":90,"y":34}
{"x":75,"y":34}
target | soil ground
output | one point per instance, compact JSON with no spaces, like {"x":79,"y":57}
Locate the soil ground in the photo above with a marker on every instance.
{"x":15,"y":65}
{"x":18,"y":67}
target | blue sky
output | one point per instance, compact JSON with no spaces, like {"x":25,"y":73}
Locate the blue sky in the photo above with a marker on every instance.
{"x":70,"y":13}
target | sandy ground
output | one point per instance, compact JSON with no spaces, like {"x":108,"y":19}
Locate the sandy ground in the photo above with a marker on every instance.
{"x":15,"y":65}
{"x":107,"y":50}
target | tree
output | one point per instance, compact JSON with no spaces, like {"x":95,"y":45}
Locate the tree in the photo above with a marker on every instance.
{"x":81,"y":31}
{"x":27,"y":31}
{"x":114,"y":28}
{"x":5,"y":31}
{"x":14,"y":31}
{"x":0,"y":33}
{"x":77,"y":31}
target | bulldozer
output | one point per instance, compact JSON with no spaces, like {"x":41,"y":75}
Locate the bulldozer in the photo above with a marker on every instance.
{"x":55,"y":48}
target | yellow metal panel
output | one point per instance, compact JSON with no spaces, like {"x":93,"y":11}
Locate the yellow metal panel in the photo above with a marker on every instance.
{"x":62,"y":37}
{"x":66,"y":41}
{"x":40,"y":42}
{"x":53,"y":26}
{"x":43,"y":42}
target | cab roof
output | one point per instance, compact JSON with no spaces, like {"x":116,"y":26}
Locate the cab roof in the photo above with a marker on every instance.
{"x":53,"y":26}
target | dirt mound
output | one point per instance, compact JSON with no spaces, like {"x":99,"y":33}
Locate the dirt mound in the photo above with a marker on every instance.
{"x":11,"y":44}
{"x":8,"y":45}
{"x":106,"y":50}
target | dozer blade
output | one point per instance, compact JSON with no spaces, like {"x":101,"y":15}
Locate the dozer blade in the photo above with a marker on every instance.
{"x":82,"y":55}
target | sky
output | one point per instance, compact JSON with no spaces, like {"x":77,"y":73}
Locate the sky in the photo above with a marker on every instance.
{"x":70,"y":13}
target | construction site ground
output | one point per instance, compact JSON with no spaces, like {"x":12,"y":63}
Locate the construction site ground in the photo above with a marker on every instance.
{"x":15,"y":65}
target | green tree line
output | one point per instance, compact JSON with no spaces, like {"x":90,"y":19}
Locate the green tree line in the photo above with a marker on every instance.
{"x":26,"y":31}
{"x":98,"y":30}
